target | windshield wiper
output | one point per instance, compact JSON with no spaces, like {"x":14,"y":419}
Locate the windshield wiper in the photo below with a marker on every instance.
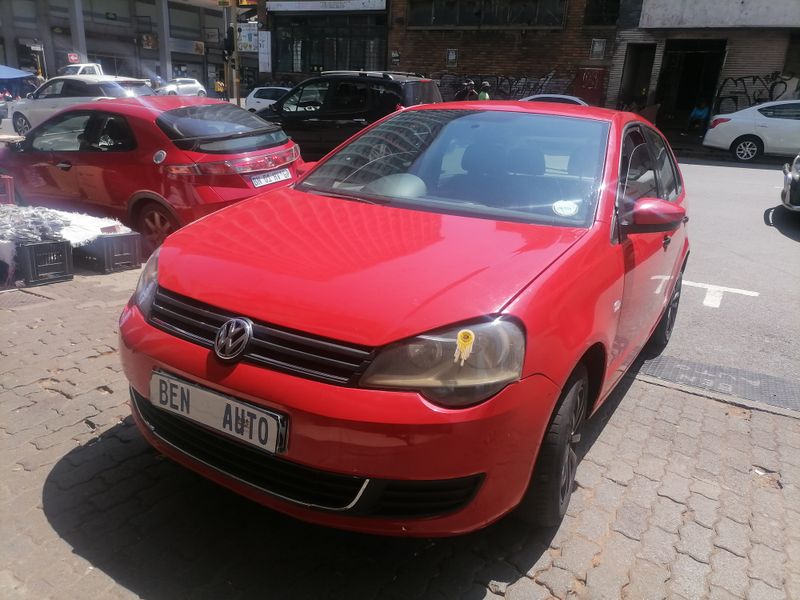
{"x":333,"y":194}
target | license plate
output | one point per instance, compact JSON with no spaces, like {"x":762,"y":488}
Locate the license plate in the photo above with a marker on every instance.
{"x":272,"y":177}
{"x":240,"y":420}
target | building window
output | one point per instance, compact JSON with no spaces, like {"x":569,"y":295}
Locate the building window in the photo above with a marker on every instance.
{"x":601,"y":12}
{"x":496,"y":13}
{"x":308,"y":44}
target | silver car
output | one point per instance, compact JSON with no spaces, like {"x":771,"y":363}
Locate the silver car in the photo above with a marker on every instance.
{"x":790,"y":195}
{"x":182,"y":87}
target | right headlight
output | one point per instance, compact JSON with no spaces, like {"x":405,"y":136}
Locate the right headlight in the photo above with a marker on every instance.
{"x":146,"y":287}
{"x":434,"y":364}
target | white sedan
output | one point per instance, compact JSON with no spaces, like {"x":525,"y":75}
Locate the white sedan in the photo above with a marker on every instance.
{"x":262,"y":97}
{"x":769,"y":128}
{"x":182,"y":87}
{"x":60,"y":92}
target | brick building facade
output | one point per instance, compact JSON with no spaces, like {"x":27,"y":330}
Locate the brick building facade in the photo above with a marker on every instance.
{"x":520,"y":48}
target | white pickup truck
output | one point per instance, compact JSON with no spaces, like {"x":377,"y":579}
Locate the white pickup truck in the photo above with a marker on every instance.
{"x":82,"y":69}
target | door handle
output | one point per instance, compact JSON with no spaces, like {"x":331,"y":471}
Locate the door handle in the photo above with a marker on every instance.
{"x":666,"y":241}
{"x":64,"y":166}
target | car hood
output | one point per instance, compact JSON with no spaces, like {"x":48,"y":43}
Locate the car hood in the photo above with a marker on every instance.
{"x":356,"y":272}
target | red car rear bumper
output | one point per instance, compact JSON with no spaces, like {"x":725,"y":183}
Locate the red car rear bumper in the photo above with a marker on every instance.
{"x":379,"y":435}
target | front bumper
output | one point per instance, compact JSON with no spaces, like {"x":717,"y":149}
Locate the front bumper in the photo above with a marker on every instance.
{"x":345,"y":436}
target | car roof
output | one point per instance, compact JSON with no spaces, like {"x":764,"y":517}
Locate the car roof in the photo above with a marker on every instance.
{"x":385,"y":76}
{"x":146,"y":105}
{"x":93,"y":78}
{"x":542,"y":108}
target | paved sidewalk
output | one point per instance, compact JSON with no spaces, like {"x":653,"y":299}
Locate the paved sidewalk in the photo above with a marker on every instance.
{"x":679,"y":497}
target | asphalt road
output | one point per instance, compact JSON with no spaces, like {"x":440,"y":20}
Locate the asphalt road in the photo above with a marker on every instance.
{"x":741,"y":238}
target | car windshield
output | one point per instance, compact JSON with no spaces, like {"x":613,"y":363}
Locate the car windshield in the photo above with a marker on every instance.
{"x":494,"y":164}
{"x":219,"y":128}
{"x":126,"y":89}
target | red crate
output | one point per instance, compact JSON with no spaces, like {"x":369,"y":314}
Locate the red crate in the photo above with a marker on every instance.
{"x":6,"y":189}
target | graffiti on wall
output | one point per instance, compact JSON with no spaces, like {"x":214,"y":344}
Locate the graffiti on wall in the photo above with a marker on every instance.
{"x":736,"y":93}
{"x":508,"y":87}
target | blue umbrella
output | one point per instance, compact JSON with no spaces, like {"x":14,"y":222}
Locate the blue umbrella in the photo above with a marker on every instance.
{"x":11,"y":73}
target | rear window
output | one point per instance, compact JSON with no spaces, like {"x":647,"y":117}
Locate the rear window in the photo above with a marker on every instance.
{"x":421,"y":92}
{"x":125,"y":89}
{"x":219,"y":129}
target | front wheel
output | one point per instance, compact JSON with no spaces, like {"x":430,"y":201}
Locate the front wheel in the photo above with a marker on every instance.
{"x":201,"y":93}
{"x":747,"y":148}
{"x":550,"y":489}
{"x":155,"y":223}
{"x":21,"y":124}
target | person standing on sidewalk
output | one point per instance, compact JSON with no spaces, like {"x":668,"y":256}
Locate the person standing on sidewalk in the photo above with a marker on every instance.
{"x":484,"y":93}
{"x":219,"y":89}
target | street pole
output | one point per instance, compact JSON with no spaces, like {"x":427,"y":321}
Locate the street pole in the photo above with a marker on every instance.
{"x":237,"y":66}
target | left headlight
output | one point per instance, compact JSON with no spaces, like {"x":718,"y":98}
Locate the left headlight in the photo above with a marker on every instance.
{"x":454,"y":367}
{"x":146,"y":287}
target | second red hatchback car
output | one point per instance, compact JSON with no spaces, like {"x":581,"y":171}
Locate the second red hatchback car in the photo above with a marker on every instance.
{"x":409,"y":340}
{"x":157,"y":162}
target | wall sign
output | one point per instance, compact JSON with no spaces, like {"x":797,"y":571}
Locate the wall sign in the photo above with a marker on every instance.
{"x":187,"y":46}
{"x":302,"y":5}
{"x":598,"y":49}
{"x":265,"y":52}
{"x":248,"y":37}
{"x":451,"y":57}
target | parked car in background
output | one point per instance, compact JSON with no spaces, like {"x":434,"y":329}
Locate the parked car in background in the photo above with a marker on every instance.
{"x":262,"y":97}
{"x":60,"y":92}
{"x":81,"y":69}
{"x":769,"y":128}
{"x":557,"y":98}
{"x":322,"y":112}
{"x":409,"y":340}
{"x":790,"y":195}
{"x":182,"y":87}
{"x":156,"y":163}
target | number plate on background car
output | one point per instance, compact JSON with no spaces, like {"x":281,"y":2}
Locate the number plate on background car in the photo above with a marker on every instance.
{"x":273,"y":177}
{"x":252,"y":425}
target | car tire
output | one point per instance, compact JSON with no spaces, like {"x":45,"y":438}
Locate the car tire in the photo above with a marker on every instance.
{"x":21,"y":124}
{"x":154,"y":222}
{"x":663,"y":331}
{"x":201,"y":93}
{"x":550,"y":489}
{"x":747,"y":148}
{"x":172,"y":93}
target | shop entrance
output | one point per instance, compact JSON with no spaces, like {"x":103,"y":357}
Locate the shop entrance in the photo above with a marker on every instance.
{"x":636,"y":73}
{"x":689,"y":75}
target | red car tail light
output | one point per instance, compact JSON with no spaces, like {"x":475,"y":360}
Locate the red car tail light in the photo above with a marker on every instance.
{"x":248,"y":164}
{"x":716,"y":122}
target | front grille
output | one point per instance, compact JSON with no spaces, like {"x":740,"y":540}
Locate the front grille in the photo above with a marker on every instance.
{"x":253,"y":466}
{"x":274,"y":347}
{"x":352,"y":495}
{"x":425,"y":498}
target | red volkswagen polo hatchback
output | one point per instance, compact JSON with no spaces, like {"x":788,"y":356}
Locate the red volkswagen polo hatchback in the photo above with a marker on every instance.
{"x":156,"y":162}
{"x":409,"y":340}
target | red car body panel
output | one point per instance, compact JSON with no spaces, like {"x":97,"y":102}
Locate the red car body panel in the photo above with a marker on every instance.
{"x":372,"y":275}
{"x":111,"y":183}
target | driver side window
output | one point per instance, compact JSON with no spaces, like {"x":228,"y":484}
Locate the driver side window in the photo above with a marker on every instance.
{"x":62,"y":135}
{"x":637,"y":174}
{"x":51,"y":90}
{"x":310,"y":97}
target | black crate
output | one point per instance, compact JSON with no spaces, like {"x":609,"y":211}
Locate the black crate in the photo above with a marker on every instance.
{"x":44,"y":262}
{"x":110,"y":253}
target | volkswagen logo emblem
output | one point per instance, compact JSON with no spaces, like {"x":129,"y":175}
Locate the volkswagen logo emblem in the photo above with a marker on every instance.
{"x":232,"y":339}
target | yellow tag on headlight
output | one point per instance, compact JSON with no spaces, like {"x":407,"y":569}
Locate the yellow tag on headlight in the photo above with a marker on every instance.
{"x":464,"y":342}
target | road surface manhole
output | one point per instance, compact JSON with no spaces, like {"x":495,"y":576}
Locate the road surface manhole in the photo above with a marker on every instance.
{"x":17,"y":298}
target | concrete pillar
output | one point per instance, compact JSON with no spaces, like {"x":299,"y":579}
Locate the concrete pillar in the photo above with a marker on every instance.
{"x":48,"y":45}
{"x":162,"y":27}
{"x":9,"y":35}
{"x":77,"y":30}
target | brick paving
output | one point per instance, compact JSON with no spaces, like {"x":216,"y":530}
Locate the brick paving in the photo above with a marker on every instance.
{"x":678,"y":496}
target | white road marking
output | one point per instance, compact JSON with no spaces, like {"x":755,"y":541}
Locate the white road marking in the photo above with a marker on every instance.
{"x":714,"y":292}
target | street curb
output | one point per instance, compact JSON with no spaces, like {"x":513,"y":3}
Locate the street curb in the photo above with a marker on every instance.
{"x":724,"y":398}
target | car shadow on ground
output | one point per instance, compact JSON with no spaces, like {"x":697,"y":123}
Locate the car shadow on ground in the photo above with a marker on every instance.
{"x":785,"y":221}
{"x":163,"y":532}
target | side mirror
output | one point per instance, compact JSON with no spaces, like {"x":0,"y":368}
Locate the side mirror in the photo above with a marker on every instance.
{"x":651,"y":215}
{"x":29,"y":96}
{"x":304,"y":167}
